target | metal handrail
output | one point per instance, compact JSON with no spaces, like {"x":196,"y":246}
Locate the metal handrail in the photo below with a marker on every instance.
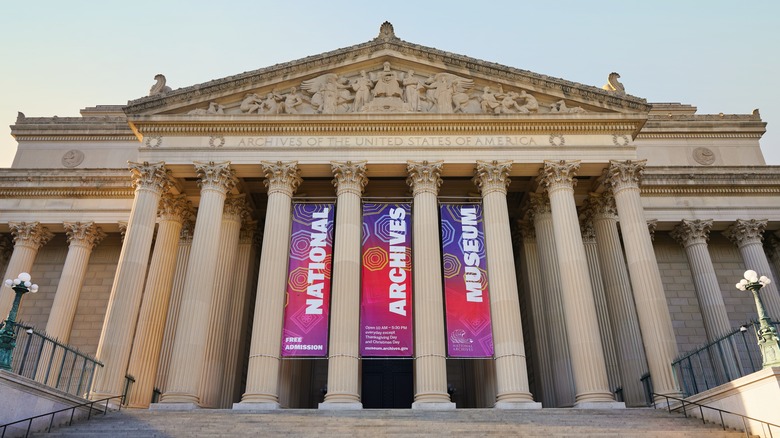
{"x":720,"y":412}
{"x":91,"y":405}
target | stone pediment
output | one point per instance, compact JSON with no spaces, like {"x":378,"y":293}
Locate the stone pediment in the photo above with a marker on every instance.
{"x":384,"y":75}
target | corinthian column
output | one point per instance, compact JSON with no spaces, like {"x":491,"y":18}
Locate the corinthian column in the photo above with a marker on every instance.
{"x":116,"y":339}
{"x":587,"y":353}
{"x":539,"y":319}
{"x":28,"y":237}
{"x":652,"y":310}
{"x":747,"y":234}
{"x":82,"y":238}
{"x":145,"y":357}
{"x":216,"y":180}
{"x":512,"y":389}
{"x":552,"y":301}
{"x":430,"y":364}
{"x":620,"y":304}
{"x":343,"y":362}
{"x":223,"y":295}
{"x":262,"y":385}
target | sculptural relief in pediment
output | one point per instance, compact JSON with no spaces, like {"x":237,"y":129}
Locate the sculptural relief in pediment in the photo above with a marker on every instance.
{"x":391,"y":90}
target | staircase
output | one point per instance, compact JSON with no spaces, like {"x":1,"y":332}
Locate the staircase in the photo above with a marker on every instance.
{"x":641,"y":423}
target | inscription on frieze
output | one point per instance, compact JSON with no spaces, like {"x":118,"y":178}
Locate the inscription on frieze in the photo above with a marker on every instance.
{"x":386,"y":141}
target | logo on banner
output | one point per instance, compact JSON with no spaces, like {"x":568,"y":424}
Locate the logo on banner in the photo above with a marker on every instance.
{"x":305,"y":330}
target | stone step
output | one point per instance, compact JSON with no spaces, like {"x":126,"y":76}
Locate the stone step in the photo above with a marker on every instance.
{"x":641,"y":423}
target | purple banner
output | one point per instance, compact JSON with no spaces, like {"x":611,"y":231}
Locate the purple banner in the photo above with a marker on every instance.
{"x":465,"y":281}
{"x":307,"y":306}
{"x":386,"y":303}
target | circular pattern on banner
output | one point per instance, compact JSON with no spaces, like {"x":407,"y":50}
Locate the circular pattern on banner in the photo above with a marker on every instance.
{"x":375,"y":258}
{"x":451,"y":264}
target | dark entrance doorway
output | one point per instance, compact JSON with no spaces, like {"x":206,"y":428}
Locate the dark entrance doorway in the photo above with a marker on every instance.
{"x":387,"y":384}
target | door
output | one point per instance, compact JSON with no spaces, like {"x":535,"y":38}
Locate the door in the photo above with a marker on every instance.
{"x":387,"y":384}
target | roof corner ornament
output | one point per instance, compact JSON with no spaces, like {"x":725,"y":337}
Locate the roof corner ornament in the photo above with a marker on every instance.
{"x":159,"y":87}
{"x":20,"y":116}
{"x":614,"y":85}
{"x":386,"y":32}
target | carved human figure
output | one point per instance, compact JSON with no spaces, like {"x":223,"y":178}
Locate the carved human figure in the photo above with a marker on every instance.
{"x":412,"y":87}
{"x":489,"y":102}
{"x":213,"y":108}
{"x":252,"y":103}
{"x":328,"y":92}
{"x":292,"y":100}
{"x":560,"y":107}
{"x":362,"y":86}
{"x":440,"y":90}
{"x":531,"y":105}
{"x":270,"y":104}
{"x":509,"y":103}
{"x":387,"y":83}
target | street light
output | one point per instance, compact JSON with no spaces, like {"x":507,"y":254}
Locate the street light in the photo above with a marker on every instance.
{"x":768,"y":341}
{"x":21,"y":286}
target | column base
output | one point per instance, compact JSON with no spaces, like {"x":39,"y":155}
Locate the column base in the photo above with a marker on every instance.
{"x":517,"y":405}
{"x":332,"y":406}
{"x":599,"y":405}
{"x":433,"y":406}
{"x":173,"y":406}
{"x":248,"y":406}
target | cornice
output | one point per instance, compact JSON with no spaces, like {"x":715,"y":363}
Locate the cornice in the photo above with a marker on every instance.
{"x":710,"y":181}
{"x":50,"y":183}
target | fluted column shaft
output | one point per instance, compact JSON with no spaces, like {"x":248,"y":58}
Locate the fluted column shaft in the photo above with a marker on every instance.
{"x":747,"y":235}
{"x":539,"y":318}
{"x":28,"y":238}
{"x":430,"y":365}
{"x":343,"y":362}
{"x":512,"y":389}
{"x":620,"y":302}
{"x":262,"y":387}
{"x":174,"y":304}
{"x":652,"y":310}
{"x":187,"y":359}
{"x":587,"y":353}
{"x":145,"y":356}
{"x":116,"y":339}
{"x":223,"y":295}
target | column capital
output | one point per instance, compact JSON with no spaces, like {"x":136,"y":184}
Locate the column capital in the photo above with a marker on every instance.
{"x":175,"y":208}
{"x":349,"y":176}
{"x":248,"y":231}
{"x":424,"y":176}
{"x":746,"y":231}
{"x":150,"y":176}
{"x":122,"y":225}
{"x":690,"y":232}
{"x":187,"y":230}
{"x":624,"y":174}
{"x":540,"y":204}
{"x":559,"y":174}
{"x":492,"y":176}
{"x":282,"y":177}
{"x":652,"y":224}
{"x":236,"y":208}
{"x":215,"y":175}
{"x":527,"y":230}
{"x":85,"y":234}
{"x":602,"y":205}
{"x":587,"y":231}
{"x":31,"y":234}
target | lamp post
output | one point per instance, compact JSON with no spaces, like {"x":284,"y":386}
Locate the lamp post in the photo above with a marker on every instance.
{"x":768,"y":341}
{"x":21,"y":286}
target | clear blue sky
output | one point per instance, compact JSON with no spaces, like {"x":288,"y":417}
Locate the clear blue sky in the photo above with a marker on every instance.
{"x":61,"y":56}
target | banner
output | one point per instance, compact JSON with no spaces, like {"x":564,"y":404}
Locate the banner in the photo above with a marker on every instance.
{"x":465,"y":281}
{"x":307,"y":306}
{"x":386,"y":303}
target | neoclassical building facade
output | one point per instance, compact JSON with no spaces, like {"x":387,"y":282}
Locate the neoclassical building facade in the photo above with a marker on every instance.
{"x":389,"y":225}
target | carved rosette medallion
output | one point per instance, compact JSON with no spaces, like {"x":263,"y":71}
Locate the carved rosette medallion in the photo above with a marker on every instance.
{"x":236,"y":208}
{"x":624,"y":174}
{"x":215,"y":176}
{"x":746,"y":231}
{"x":540,"y":204}
{"x":492,"y":176}
{"x":72,"y":158}
{"x":175,"y":208}
{"x":691,"y":232}
{"x":602,"y":206}
{"x":150,"y":176}
{"x":557,"y":175}
{"x":85,"y":234}
{"x":704,"y":156}
{"x":424,"y":177}
{"x":153,"y":141}
{"x":349,"y":176}
{"x":557,"y":140}
{"x":30,"y":234}
{"x":620,"y":140}
{"x":282,"y":177}
{"x":216,"y":141}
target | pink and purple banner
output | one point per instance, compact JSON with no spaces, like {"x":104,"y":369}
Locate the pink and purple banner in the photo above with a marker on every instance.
{"x":465,"y":281}
{"x":386,"y":303}
{"x":307,"y":307}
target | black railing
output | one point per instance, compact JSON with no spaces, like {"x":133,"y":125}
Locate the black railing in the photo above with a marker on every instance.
{"x":731,"y":356}
{"x":48,"y":361}
{"x":688,"y":406}
{"x":92,"y":407}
